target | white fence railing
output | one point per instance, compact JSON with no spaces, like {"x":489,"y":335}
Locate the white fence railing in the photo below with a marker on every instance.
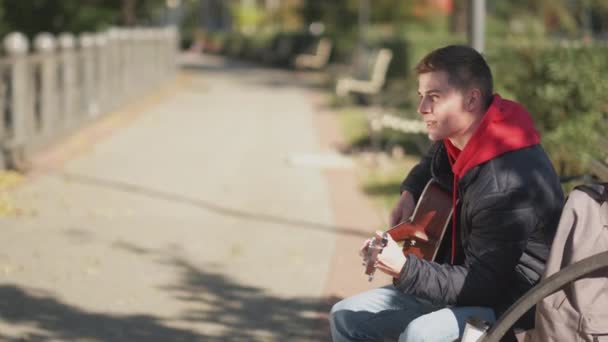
{"x":66,"y":81}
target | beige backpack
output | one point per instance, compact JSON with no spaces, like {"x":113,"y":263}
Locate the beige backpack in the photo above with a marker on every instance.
{"x":572,"y":298}
{"x":579,"y":311}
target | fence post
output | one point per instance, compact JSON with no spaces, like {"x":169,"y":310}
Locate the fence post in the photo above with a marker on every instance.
{"x":44,"y":44}
{"x":164,"y":38}
{"x":68,"y":79}
{"x":67,"y":83}
{"x":115,"y":74}
{"x":102,"y":71}
{"x":88,"y":104}
{"x":173,"y":49}
{"x":149,"y":55}
{"x":16,"y":45}
{"x":126,"y":46}
{"x":138,"y":62}
{"x":155,"y":56}
{"x":142,"y":59}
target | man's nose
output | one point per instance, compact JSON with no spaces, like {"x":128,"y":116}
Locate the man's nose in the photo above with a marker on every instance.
{"x":424,"y":107}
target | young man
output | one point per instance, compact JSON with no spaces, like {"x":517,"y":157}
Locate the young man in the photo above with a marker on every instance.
{"x":507,"y":201}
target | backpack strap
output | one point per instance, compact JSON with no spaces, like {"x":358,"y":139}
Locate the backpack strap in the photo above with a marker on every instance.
{"x":598,"y":191}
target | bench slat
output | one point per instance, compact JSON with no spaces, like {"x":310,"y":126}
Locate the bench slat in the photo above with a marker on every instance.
{"x":603,"y":143}
{"x":599,"y":169}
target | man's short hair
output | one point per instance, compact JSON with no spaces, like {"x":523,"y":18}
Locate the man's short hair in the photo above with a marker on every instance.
{"x":466,"y":69}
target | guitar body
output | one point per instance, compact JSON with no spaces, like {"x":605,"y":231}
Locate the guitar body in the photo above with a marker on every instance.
{"x":423,"y":232}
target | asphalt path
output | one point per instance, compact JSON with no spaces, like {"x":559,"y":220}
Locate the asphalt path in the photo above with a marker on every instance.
{"x":216,"y":209}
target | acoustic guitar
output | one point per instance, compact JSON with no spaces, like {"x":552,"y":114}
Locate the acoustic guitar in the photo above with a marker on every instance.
{"x":422,"y":233}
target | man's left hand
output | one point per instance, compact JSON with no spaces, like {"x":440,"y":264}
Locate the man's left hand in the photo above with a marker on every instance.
{"x":391,"y":260}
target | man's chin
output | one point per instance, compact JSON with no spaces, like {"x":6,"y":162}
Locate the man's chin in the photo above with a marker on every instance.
{"x":434,"y":137}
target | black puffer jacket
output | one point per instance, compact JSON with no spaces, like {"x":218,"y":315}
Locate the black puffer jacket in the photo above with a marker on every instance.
{"x":507,"y":215}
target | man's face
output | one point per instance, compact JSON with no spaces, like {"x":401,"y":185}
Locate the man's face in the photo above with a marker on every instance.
{"x":441,"y":106}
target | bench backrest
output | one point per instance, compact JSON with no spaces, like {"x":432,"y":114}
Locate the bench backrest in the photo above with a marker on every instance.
{"x":599,"y":167}
{"x":383,"y":61}
{"x":323,"y":50}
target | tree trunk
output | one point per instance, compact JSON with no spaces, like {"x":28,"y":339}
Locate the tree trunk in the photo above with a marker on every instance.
{"x":129,"y":14}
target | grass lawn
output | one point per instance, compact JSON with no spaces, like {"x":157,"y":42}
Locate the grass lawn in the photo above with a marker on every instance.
{"x":382,"y":182}
{"x":382,"y":178}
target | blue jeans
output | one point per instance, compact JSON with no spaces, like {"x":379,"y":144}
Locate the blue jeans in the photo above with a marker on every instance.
{"x":386,"y":313}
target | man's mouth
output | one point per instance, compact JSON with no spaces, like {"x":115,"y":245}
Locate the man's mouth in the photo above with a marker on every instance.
{"x":430,"y":124}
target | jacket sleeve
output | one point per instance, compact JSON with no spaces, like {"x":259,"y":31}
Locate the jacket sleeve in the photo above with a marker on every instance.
{"x":420,"y":174}
{"x":499,"y":224}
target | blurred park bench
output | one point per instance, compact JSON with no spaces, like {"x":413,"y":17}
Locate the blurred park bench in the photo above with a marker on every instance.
{"x":318,"y":60}
{"x":68,"y":81}
{"x":370,"y":74}
{"x":370,"y":86}
{"x":279,"y":51}
{"x":285,"y":47}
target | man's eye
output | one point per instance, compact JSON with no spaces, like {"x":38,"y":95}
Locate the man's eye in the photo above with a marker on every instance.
{"x":434,"y":98}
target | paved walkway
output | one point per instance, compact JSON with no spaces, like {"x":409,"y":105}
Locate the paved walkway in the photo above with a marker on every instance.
{"x":197,"y":214}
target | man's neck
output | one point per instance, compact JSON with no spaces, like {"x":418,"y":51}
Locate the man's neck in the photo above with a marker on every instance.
{"x":462,"y":138}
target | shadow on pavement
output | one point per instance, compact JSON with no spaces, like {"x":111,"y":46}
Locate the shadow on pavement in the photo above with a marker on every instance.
{"x":54,"y":320}
{"x":246,"y":309}
{"x":244,"y":313}
{"x":207,"y":205}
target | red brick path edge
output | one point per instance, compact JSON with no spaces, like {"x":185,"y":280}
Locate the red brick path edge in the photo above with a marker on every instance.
{"x":354,"y":215}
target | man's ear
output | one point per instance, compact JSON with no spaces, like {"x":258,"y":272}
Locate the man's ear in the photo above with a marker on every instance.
{"x":473,"y":100}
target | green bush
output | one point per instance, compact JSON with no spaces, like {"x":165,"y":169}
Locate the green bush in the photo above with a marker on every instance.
{"x":215,"y":42}
{"x":255,"y":45}
{"x":407,"y":52}
{"x":564,"y":89}
{"x":399,"y":67}
{"x":420,"y":45}
{"x":556,"y":84}
{"x":343,"y":46}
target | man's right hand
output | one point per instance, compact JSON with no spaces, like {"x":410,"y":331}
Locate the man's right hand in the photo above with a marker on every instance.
{"x":403,"y":210}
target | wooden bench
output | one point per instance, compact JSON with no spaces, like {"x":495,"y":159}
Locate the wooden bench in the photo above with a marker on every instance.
{"x":281,"y":48}
{"x":284,"y":46}
{"x":545,"y":288}
{"x":581,"y":269}
{"x":599,"y":168}
{"x":376,"y":81}
{"x":315,"y":61}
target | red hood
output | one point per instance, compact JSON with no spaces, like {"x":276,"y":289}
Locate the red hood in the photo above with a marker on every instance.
{"x":506,"y":126}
